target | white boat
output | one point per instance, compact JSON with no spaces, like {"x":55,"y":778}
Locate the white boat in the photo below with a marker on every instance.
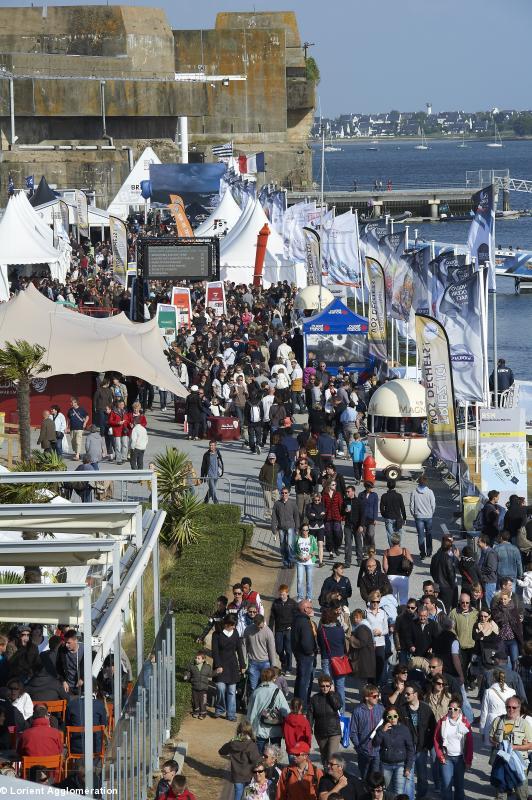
{"x":423,"y":145}
{"x":497,"y":141}
{"x":330,"y":148}
{"x":373,"y":145}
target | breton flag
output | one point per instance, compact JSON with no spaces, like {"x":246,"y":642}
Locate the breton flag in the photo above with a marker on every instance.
{"x":30,"y":184}
{"x":10,"y":186}
{"x":481,"y":239}
{"x":223,"y":150}
{"x":251,"y":164}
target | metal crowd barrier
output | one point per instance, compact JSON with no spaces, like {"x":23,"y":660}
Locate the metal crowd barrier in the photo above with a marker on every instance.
{"x":224,"y":489}
{"x":136,"y":745}
{"x":254,"y":502}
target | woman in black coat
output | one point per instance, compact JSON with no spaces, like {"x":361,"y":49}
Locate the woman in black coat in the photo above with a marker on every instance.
{"x":228,"y":664}
{"x":194,"y":413}
{"x":323,"y":717}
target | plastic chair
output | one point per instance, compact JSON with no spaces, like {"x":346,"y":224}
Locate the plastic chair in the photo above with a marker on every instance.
{"x":48,"y":762}
{"x":54,"y":706}
{"x":70,"y":756}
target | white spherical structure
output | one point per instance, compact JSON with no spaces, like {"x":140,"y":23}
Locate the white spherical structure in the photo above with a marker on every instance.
{"x":308,"y":299}
{"x":398,"y":398}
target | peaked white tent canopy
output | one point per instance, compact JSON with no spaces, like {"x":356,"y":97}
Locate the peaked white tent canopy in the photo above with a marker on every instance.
{"x":76,"y":343}
{"x":129,"y":194}
{"x":59,"y":268}
{"x":238,"y":249}
{"x":23,"y":240}
{"x":97,"y":216}
{"x":222,"y":219}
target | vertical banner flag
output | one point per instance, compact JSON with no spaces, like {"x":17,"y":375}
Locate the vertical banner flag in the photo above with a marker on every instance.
{"x":119,"y":247}
{"x":503,"y":451}
{"x":455,"y":288}
{"x":65,"y":218}
{"x":177,"y":208}
{"x":83,"y":213}
{"x":56,"y":223}
{"x":278,"y":205}
{"x":215,"y":297}
{"x":340,"y":250}
{"x":181,"y":300}
{"x":312,"y":253}
{"x":481,"y":238}
{"x":377,"y":324}
{"x":433,"y":347}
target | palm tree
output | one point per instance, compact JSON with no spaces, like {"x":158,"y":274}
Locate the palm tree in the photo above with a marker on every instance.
{"x":20,"y":362}
{"x":183,"y":509}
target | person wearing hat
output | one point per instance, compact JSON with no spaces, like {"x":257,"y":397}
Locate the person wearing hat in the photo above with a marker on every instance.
{"x":193,"y":412}
{"x":300,"y":780}
{"x":268,"y":477}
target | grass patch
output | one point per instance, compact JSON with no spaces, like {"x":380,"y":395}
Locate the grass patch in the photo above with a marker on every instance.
{"x":194,"y":581}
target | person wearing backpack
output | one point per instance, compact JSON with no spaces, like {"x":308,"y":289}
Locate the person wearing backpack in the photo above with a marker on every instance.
{"x":267,"y":709}
{"x":487,"y":566}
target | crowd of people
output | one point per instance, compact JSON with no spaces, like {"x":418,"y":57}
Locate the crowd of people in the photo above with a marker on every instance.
{"x":396,"y":666}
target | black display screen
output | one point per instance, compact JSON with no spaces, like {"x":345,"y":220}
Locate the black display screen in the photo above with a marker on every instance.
{"x":179,"y":261}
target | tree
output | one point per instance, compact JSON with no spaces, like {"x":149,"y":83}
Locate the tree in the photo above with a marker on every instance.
{"x":21,"y":362}
{"x":183,"y":509}
{"x":312,"y":69}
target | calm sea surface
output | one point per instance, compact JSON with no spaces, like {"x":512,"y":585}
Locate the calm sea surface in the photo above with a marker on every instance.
{"x":445,"y":164}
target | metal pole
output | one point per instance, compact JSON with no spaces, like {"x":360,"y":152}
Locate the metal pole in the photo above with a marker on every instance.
{"x":406,"y":353}
{"x":466,"y":414}
{"x":477,"y":439}
{"x":495,"y":354}
{"x":12,"y":110}
{"x":183,"y":139}
{"x":156,"y":588}
{"x":321,"y":201}
{"x":102,"y":106}
{"x":87,"y":690}
{"x":361,"y":266}
{"x":407,"y":240}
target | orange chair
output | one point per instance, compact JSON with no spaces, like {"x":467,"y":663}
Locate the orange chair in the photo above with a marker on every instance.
{"x":48,"y":762}
{"x":54,"y":707}
{"x":70,"y":756}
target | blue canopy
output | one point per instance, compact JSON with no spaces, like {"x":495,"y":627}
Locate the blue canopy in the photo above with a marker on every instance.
{"x":336,"y":319}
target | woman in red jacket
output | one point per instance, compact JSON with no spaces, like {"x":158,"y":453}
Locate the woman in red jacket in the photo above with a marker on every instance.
{"x":296,"y":727}
{"x":334,"y":507}
{"x":453,"y":743}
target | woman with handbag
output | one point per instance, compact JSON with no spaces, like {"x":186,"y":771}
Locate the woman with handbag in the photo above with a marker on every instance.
{"x":331,"y":641}
{"x":487,"y":640}
{"x":397,"y":564}
{"x":323,"y":717}
{"x":267,"y":709}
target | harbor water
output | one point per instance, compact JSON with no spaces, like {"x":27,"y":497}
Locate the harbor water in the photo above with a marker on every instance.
{"x":446,"y":164}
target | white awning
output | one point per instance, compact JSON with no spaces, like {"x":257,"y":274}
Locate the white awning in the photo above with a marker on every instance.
{"x":50,"y":553}
{"x":46,"y":604}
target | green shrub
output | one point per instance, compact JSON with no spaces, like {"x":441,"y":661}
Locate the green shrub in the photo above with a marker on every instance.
{"x":197,"y":577}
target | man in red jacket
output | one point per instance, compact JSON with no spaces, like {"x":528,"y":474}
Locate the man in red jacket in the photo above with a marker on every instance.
{"x":41,"y":739}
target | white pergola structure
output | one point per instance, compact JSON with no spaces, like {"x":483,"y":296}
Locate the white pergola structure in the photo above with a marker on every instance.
{"x":118,"y":532}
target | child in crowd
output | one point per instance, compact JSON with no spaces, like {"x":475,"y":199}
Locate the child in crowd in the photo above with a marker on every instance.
{"x":178,"y":790}
{"x":296,"y":727}
{"x":280,"y":681}
{"x":199,"y":674}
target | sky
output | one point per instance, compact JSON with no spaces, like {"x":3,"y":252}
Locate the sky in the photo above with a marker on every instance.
{"x":379,"y":55}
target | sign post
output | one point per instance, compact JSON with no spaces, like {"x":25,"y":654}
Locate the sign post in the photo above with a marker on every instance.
{"x":503,"y":456}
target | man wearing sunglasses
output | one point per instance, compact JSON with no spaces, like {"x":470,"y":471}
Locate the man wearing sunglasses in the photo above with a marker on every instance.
{"x":365,"y":719}
{"x":420,"y":721}
{"x":337,"y":782}
{"x":301,"y":779}
{"x":513,"y":728}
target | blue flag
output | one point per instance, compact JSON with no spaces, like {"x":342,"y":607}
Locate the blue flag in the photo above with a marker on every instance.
{"x":481,"y":239}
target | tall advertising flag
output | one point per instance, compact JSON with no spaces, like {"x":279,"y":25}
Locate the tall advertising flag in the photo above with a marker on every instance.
{"x":177,"y":209}
{"x":433,"y":346}
{"x":377,"y":326}
{"x":312,"y":254}
{"x":83,"y":213}
{"x":481,"y":238}
{"x":119,"y":248}
{"x":64,"y":217}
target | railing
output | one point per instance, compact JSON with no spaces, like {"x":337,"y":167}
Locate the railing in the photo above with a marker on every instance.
{"x":224,"y":488}
{"x":99,"y":312}
{"x":136,"y":745}
{"x":254,"y":506}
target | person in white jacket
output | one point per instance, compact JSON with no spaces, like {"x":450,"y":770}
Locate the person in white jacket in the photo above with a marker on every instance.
{"x":494,"y":704}
{"x":139,"y":443}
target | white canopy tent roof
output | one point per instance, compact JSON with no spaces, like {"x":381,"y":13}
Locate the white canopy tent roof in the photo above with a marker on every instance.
{"x":237,"y":252}
{"x":222,"y":219}
{"x":77,"y":343}
{"x":97,"y":216}
{"x":129,"y":194}
{"x":58,"y":269}
{"x":23,"y":241}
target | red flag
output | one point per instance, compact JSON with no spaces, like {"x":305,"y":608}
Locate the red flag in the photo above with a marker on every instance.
{"x":243,"y":164}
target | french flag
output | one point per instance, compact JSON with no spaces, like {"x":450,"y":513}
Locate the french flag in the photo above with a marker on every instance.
{"x":251,"y":164}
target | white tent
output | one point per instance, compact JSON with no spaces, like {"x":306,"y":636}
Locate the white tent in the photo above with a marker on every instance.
{"x":238,"y":249}
{"x":129,"y":194}
{"x":76,"y":343}
{"x":222,"y":219}
{"x":59,"y":268}
{"x":97,"y":216}
{"x":22,"y":241}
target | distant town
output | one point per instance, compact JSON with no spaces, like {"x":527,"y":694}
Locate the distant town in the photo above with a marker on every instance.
{"x":506,"y":122}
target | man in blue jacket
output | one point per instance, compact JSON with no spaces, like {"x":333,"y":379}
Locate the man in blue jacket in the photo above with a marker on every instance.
{"x":364,"y":721}
{"x":509,"y":563}
{"x":369,"y":511}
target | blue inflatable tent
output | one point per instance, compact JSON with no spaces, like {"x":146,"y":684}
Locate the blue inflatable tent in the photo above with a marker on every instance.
{"x":337,"y":336}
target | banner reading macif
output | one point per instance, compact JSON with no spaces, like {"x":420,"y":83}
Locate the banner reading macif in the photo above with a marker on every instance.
{"x":503,"y":458}
{"x":433,"y":346}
